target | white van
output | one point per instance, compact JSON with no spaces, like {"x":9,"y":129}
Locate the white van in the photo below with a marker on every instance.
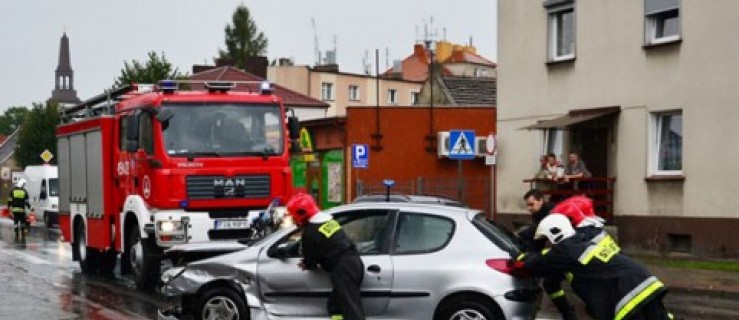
{"x":42,"y":184}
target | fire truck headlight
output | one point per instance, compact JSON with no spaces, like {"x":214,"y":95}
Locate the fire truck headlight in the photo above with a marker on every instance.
{"x":169,"y":226}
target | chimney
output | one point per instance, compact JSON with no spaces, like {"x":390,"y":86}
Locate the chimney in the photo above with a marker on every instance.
{"x":256,"y":66}
{"x":198,"y":68}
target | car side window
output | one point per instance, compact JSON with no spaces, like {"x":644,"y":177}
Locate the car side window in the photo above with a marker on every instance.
{"x":368,"y":229}
{"x":421,"y":233}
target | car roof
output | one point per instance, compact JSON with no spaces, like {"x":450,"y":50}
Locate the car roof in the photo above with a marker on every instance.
{"x":437,"y":209}
{"x":427,"y":199}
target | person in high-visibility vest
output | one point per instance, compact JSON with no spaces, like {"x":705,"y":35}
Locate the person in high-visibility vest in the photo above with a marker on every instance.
{"x":18,"y":202}
{"x":326,"y":245}
{"x":612,"y":285}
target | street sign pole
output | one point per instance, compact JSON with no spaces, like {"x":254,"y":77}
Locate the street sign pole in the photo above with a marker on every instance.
{"x":459,"y":181}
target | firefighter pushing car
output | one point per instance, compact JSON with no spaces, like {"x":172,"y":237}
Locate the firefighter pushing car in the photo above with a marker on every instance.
{"x":612,"y":285}
{"x":325,"y":244}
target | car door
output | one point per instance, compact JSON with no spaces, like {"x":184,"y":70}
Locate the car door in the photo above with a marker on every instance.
{"x":288,"y":291}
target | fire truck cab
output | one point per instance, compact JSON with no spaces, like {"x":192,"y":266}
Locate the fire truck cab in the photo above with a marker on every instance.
{"x":142,"y":171}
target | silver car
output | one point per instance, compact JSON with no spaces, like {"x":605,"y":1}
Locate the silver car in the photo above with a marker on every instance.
{"x":421,"y":262}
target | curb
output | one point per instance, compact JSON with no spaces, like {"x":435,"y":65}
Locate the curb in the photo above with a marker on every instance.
{"x":722,"y":294}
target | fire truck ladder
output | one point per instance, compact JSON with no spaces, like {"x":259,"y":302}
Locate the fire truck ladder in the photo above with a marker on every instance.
{"x":104,"y":104}
{"x":96,"y":106}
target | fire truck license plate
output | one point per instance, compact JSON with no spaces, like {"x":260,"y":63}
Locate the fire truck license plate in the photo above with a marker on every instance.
{"x":231,"y":224}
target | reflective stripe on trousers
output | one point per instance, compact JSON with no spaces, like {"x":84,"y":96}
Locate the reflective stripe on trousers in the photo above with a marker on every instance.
{"x":636,"y":296}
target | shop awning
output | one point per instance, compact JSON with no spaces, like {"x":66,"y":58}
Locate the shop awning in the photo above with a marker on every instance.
{"x":573,"y":117}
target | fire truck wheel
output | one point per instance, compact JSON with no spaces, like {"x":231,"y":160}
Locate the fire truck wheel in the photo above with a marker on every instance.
{"x":87,"y":255}
{"x":144,"y":261}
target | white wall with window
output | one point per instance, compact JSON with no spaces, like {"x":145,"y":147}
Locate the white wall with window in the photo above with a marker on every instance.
{"x":354,"y":93}
{"x":392,"y":96}
{"x":661,"y":21}
{"x":327,"y":91}
{"x":561,"y":33}
{"x":666,"y":143}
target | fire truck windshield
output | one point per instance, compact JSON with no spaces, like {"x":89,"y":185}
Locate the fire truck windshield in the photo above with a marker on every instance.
{"x":223,"y":129}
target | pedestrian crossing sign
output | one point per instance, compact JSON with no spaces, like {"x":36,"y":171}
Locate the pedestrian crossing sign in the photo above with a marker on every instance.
{"x":461,"y":144}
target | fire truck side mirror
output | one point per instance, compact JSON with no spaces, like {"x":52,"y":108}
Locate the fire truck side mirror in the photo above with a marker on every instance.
{"x":164,"y":115}
{"x":132,"y":133}
{"x":293,"y":126}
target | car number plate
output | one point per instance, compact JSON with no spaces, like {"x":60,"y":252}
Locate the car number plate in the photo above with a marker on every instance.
{"x":232,"y":224}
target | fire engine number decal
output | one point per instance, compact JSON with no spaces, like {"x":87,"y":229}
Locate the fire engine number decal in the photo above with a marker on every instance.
{"x":146,"y":185}
{"x":124,"y":168}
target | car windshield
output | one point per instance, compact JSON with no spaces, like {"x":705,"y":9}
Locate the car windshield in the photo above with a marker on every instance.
{"x":53,"y":187}
{"x":223,"y":129}
{"x":499,"y":235}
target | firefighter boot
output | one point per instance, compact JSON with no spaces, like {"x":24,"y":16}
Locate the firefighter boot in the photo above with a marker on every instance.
{"x":565,"y":308}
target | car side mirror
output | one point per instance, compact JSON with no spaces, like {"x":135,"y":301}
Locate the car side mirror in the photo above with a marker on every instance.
{"x":42,"y":195}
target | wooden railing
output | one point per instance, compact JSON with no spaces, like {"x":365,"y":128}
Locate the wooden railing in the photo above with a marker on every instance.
{"x":600,"y":189}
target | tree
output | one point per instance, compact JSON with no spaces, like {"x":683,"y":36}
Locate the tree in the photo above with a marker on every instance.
{"x":243,"y":39}
{"x":11,"y":119}
{"x":37,"y":134}
{"x":156,"y":68}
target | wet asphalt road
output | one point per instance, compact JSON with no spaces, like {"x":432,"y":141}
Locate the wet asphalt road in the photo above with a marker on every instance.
{"x":39,"y":280}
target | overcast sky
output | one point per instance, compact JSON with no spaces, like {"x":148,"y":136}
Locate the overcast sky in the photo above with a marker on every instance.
{"x":104,"y":33}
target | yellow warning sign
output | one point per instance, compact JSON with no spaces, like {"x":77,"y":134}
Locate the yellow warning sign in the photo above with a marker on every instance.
{"x":47,"y":156}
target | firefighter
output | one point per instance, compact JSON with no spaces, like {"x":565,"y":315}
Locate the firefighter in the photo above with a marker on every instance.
{"x":612,"y":285}
{"x":18,"y":202}
{"x":327,"y":246}
{"x":552,"y":284}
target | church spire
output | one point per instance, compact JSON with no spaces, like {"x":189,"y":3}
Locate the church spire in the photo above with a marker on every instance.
{"x":64,"y":92}
{"x":65,"y":65}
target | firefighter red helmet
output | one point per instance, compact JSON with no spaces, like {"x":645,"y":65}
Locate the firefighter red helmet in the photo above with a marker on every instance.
{"x":302,"y":207}
{"x":576,"y":208}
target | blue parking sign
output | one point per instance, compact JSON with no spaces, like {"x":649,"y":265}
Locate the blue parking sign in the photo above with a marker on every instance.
{"x":360,"y":156}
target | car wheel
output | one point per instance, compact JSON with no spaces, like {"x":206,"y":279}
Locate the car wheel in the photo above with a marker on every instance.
{"x":221,"y":303}
{"x":87,"y":256}
{"x":465,"y":308}
{"x":144,"y":261}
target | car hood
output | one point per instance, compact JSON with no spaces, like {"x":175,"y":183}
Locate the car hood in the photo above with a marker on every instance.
{"x":238,"y":267}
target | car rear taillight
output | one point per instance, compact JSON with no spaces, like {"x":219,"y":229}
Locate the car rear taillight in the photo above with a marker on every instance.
{"x":500,"y":265}
{"x":506,"y":266}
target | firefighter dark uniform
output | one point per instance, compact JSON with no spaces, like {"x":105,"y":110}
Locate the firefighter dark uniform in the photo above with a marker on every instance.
{"x":326,"y":245}
{"x":18,"y":202}
{"x":611,"y":285}
{"x":552,"y":284}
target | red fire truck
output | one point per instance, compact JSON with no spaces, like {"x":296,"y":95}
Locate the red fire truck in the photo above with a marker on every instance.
{"x":142,"y":171}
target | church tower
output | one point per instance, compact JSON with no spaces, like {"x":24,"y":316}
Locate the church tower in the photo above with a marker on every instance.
{"x":64,"y":92}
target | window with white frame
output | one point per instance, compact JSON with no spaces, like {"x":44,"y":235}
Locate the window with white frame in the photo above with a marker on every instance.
{"x":415,"y":96}
{"x":353,"y":93}
{"x":661,"y":21}
{"x":667,"y":143}
{"x":392,"y":96}
{"x":561,"y":31}
{"x":327,"y":91}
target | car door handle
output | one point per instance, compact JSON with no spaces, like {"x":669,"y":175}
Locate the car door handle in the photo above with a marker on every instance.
{"x":374,"y":268}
